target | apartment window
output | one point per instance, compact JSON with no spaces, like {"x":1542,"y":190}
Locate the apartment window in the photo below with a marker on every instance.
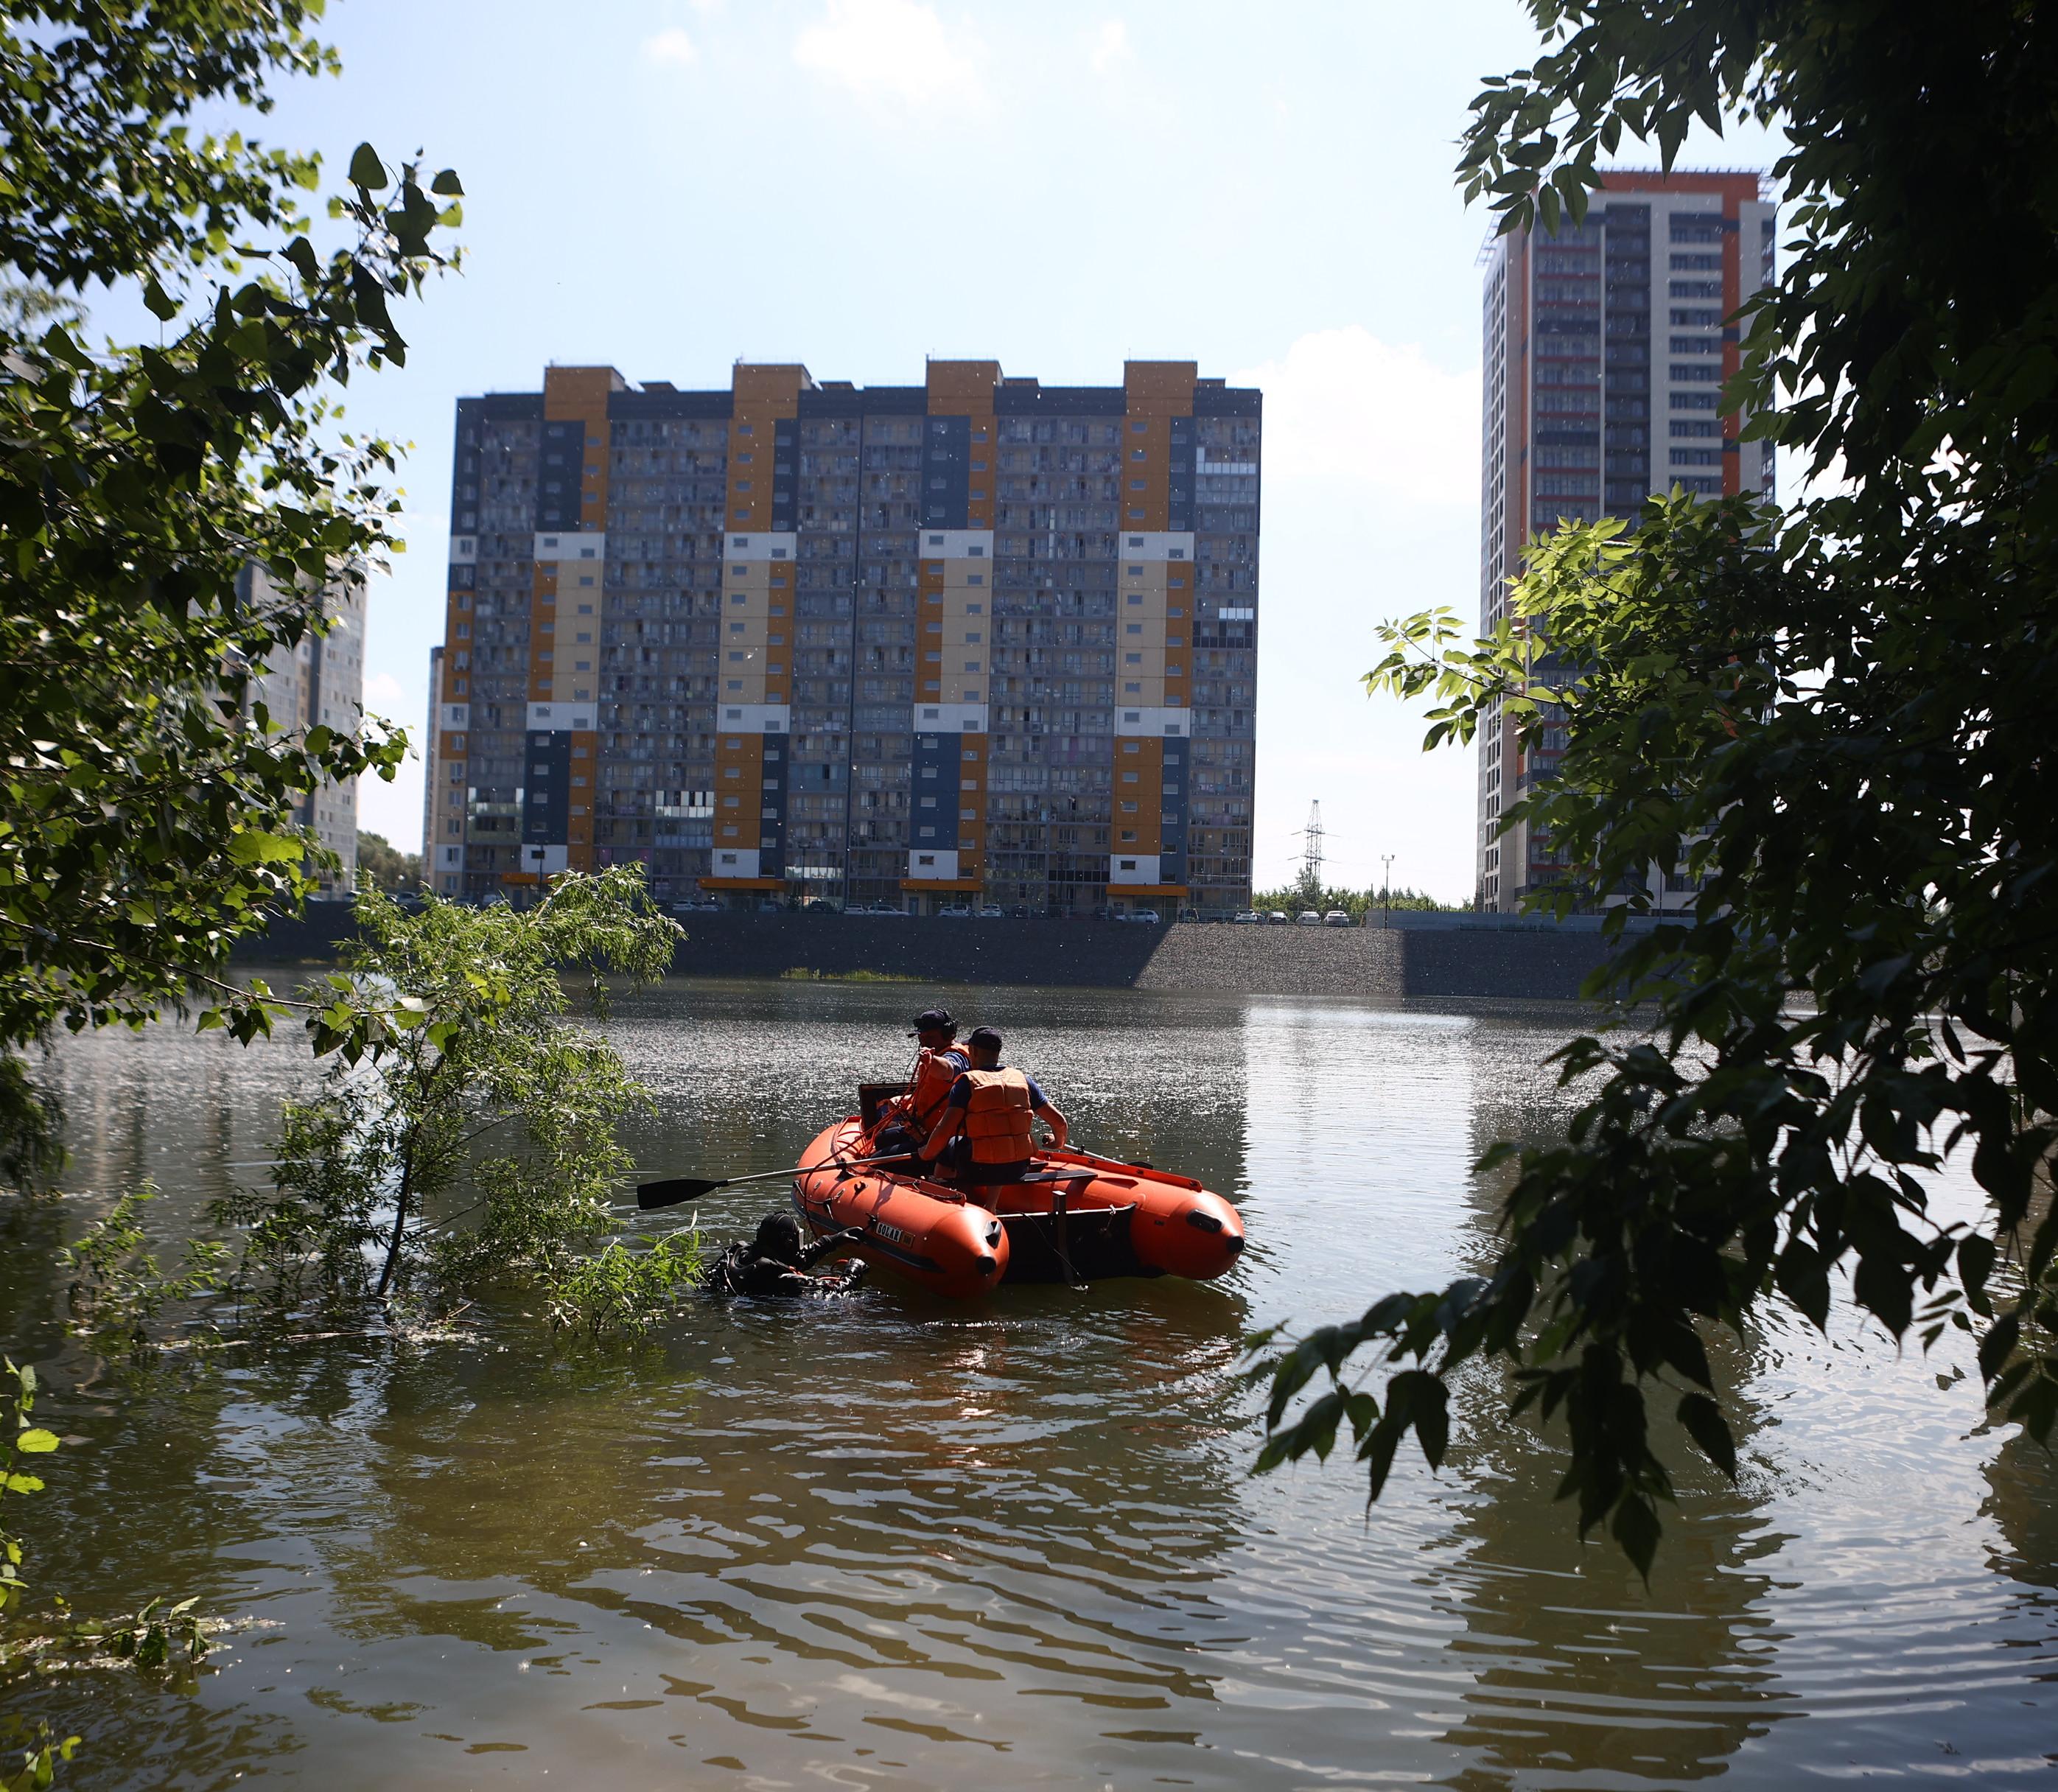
{"x":1696,"y":425}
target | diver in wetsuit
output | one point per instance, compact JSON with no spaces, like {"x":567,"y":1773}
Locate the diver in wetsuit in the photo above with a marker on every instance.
{"x":776,"y":1265}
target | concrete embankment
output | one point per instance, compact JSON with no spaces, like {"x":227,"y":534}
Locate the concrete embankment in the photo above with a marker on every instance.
{"x":1529,"y":964}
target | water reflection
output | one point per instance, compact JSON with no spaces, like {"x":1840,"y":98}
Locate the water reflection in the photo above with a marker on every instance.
{"x":1580,"y":1670}
{"x":896,"y":1544}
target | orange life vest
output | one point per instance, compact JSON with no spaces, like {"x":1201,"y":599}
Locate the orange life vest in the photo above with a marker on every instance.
{"x":930,"y":1087}
{"x":997,"y":1117}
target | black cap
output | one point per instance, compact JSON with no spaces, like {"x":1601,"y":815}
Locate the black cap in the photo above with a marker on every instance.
{"x":938,"y":1019}
{"x":983,"y":1039}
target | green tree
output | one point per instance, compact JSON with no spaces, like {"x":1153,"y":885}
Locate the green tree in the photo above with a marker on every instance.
{"x":1298,"y":896}
{"x":381,"y":865}
{"x":1839,"y":715}
{"x":146,"y":801}
{"x":462,"y":1140}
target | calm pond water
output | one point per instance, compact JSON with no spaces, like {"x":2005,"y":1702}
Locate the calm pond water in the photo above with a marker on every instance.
{"x":898,"y":1545}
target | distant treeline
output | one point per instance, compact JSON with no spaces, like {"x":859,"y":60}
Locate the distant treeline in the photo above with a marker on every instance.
{"x":1303,"y":895}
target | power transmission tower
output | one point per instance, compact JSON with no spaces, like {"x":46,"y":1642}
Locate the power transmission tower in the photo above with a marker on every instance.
{"x":1311,"y":848}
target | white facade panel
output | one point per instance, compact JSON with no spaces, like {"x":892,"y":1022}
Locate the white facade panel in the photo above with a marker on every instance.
{"x":546,"y":861}
{"x":572,"y":544}
{"x":762,"y":544}
{"x":735,"y":861}
{"x":1155,"y":722}
{"x":464,"y":550}
{"x":950,"y":718}
{"x":956,"y":544}
{"x":561,"y":718}
{"x":456,"y":716}
{"x":1156,"y":546}
{"x":754,"y":718}
{"x":933,"y":864}
{"x":1133,"y":867}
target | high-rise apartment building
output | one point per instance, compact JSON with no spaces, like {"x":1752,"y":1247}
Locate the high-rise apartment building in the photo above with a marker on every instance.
{"x":975,"y":642}
{"x":318,"y":682}
{"x":1605,"y":345}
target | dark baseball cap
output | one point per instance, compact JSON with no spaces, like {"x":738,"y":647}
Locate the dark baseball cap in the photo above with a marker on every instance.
{"x":983,"y":1039}
{"x":938,"y":1018}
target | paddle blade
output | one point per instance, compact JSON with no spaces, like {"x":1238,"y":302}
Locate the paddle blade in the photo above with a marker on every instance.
{"x":670,"y":1193}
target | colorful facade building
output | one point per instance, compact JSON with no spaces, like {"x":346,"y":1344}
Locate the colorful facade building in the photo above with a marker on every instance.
{"x":976,"y":642}
{"x":1606,"y":346}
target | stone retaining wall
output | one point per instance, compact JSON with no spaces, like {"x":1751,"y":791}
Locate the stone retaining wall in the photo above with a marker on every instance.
{"x":1461,"y":962}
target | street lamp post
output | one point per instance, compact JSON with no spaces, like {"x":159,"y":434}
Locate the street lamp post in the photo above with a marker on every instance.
{"x":1385,"y":884}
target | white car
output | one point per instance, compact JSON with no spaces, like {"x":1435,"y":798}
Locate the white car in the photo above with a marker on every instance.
{"x":1247,"y":917}
{"x":1337,"y":917}
{"x":955,"y":911}
{"x":1308,"y":918}
{"x":991,"y":912}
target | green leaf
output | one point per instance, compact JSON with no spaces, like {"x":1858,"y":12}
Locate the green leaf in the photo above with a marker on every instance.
{"x":253,"y":848}
{"x":365,"y":169}
{"x":35,"y":1441}
{"x":1704,"y":1423}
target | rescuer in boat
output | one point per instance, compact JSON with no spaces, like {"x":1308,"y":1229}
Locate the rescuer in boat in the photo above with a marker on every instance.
{"x":942,"y":1062}
{"x":986,"y":1136}
{"x":774,"y":1265}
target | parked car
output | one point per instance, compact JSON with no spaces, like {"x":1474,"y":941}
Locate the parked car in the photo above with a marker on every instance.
{"x":991,"y":912}
{"x":1247,"y":917}
{"x":1019,"y":911}
{"x":955,"y":912}
{"x":1337,"y":917}
{"x":1275,"y":915}
{"x":1146,"y":917}
{"x":818,"y":906}
{"x":1308,"y":918}
{"x":767,"y":906}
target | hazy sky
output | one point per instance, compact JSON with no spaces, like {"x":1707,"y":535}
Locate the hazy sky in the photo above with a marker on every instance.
{"x":667,"y":185}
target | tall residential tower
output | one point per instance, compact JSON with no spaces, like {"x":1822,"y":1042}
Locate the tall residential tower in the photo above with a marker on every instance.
{"x":978,"y":640}
{"x":1605,"y":345}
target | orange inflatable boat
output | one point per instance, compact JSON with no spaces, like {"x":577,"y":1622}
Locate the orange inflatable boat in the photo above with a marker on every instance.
{"x":1080,"y":1218}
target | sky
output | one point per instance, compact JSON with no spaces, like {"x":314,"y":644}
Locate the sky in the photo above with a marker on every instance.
{"x":669,"y":186}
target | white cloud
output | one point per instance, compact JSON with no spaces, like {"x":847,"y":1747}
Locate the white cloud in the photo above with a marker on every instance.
{"x":1110,"y":47}
{"x":672,"y":46}
{"x":894,"y":52}
{"x":1343,"y":404}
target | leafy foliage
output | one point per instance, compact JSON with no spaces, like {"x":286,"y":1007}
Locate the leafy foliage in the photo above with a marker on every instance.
{"x":1838,"y":716}
{"x":382,"y":865}
{"x":147,"y":1640}
{"x":462,"y":1139}
{"x":1302,"y":894}
{"x":146,"y":799}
